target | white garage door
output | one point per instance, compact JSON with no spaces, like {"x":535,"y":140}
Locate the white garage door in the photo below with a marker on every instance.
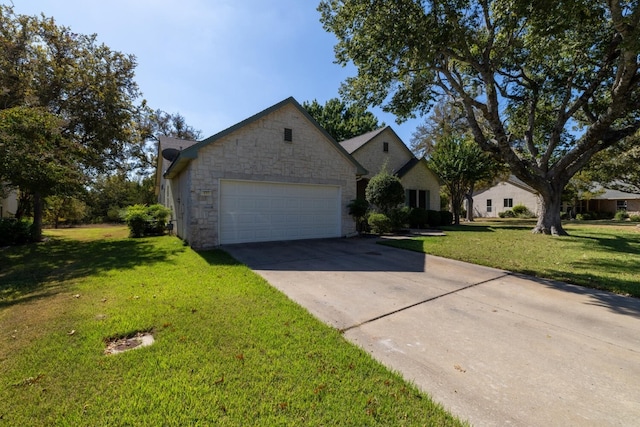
{"x":252,"y":211}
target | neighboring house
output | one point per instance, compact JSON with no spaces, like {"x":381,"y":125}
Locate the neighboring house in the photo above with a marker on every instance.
{"x":611,"y":201}
{"x":383,"y":146}
{"x":8,"y":204}
{"x":277,"y":175}
{"x":504,"y":196}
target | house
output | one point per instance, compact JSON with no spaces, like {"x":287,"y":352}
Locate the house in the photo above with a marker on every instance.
{"x":8,"y":203}
{"x":611,"y":201}
{"x":383,"y":147}
{"x":277,"y":175}
{"x":506,"y":194}
{"x":503,"y":196}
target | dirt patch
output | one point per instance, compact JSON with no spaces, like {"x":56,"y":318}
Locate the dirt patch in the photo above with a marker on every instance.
{"x":122,"y":344}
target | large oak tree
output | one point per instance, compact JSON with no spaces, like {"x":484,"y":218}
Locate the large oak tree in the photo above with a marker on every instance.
{"x":88,"y":87}
{"x":555,"y":81}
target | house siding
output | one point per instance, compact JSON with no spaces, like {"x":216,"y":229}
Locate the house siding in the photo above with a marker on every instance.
{"x":421,"y":178}
{"x":372,"y":156}
{"x":258,"y":152}
{"x":9,"y":205}
{"x":497,"y":194}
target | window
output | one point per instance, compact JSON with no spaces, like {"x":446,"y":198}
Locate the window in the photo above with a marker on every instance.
{"x":385,"y":147}
{"x":288,"y":134}
{"x":410,"y":198}
{"x":508,"y":203}
{"x":489,"y":205}
{"x":621,"y":205}
{"x":417,"y":198}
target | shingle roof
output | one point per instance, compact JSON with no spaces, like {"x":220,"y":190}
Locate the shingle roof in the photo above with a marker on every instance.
{"x":353,"y":144}
{"x":191,"y":152}
{"x":407,"y":167}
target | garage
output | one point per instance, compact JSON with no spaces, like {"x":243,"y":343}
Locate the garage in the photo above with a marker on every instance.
{"x":256,"y":211}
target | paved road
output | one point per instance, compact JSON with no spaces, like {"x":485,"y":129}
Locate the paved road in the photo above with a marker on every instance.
{"x":493,"y":347}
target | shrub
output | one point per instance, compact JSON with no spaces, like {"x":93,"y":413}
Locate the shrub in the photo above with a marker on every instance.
{"x":418,"y":218}
{"x":446,"y":218}
{"x":379,"y":223}
{"x":385,"y":191}
{"x":507,"y":214}
{"x":564,"y":215}
{"x":146,"y":220}
{"x":621,"y":216}
{"x":15,"y":232}
{"x":434,"y":218}
{"x":159,"y":216}
{"x":521,"y":211}
{"x":580,"y":217}
{"x":399,"y":217}
{"x":358,"y":209}
{"x":635,"y":218}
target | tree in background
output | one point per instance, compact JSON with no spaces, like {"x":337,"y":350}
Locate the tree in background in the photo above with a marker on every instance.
{"x":618,"y":167}
{"x":448,"y":122}
{"x":460,"y":163}
{"x":68,"y":103}
{"x":151,"y":124}
{"x":340,"y":120}
{"x":110,"y":194}
{"x":555,"y":82}
{"x":36,"y":158}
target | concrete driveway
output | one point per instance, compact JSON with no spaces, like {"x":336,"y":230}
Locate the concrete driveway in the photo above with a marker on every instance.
{"x":493,"y":347}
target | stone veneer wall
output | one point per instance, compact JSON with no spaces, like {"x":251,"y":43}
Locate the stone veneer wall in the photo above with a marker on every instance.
{"x":258,"y":152}
{"x":372,"y":156}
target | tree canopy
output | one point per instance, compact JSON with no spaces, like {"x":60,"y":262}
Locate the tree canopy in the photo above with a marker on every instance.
{"x":340,"y":120}
{"x":460,"y":163}
{"x":36,"y":157}
{"x":544,"y":85}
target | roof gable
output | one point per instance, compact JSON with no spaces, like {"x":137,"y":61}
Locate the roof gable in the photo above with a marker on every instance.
{"x":191,"y":152}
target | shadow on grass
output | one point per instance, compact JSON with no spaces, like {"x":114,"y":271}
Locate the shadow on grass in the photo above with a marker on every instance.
{"x":218,"y":257}
{"x":627,"y":243}
{"x":38,"y":270}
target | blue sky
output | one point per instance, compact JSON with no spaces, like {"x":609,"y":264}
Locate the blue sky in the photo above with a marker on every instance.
{"x":216,"y":62}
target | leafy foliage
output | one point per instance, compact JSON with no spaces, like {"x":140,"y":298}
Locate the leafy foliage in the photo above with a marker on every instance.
{"x":15,"y":232}
{"x":544,"y":85}
{"x":379,"y":223}
{"x":460,"y":163}
{"x":340,"y":120}
{"x":385,"y":191}
{"x":147,"y":220}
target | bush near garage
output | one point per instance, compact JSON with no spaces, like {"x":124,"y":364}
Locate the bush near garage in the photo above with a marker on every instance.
{"x":146,"y":220}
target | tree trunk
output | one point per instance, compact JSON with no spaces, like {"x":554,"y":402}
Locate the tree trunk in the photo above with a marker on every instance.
{"x":36,"y":233}
{"x":469,"y":197}
{"x":549,"y":221}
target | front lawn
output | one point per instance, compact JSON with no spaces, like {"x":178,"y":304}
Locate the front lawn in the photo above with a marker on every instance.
{"x":602,"y":255}
{"x":229,"y":349}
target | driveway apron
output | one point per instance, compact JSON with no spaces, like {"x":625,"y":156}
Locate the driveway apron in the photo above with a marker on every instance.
{"x":492,"y":347}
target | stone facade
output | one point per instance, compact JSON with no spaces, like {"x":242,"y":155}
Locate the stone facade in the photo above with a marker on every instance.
{"x":383,"y":148}
{"x":256,"y":150}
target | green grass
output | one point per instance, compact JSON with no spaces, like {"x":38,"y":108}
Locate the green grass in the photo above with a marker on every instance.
{"x":229,"y":349}
{"x":601,"y":255}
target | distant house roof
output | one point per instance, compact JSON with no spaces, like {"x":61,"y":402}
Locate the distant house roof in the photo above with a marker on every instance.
{"x":191,"y":152}
{"x":610,"y":194}
{"x":353,"y":144}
